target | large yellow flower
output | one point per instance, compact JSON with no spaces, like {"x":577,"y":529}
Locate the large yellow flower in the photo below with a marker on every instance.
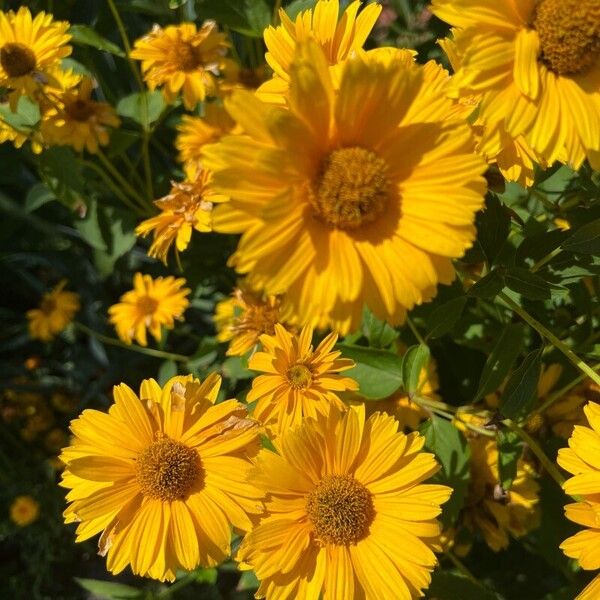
{"x":163,"y":476}
{"x":347,"y":514}
{"x":55,"y":312}
{"x":151,"y":304}
{"x":243,"y":318}
{"x":536,"y":64}
{"x":77,"y":120}
{"x":187,"y":207}
{"x":582,"y":459}
{"x":182,"y":58}
{"x":362,"y":195}
{"x":298,"y":381}
{"x":30,"y":49}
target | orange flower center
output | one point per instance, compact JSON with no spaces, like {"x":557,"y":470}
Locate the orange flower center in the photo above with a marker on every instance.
{"x":17,"y":59}
{"x":167,"y":470}
{"x":188,"y":57}
{"x":341,"y":510}
{"x":569,"y":33}
{"x":48,"y":306}
{"x":299,"y":376}
{"x":147,"y":305}
{"x":79,"y":109}
{"x":352,"y":188}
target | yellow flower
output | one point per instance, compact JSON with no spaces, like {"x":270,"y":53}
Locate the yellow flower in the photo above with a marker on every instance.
{"x":497,"y":513}
{"x":181,"y":57}
{"x":338,"y":37}
{"x":24,"y":510}
{"x":55,"y":312}
{"x":582,"y":459}
{"x":188,"y":206}
{"x":151,"y":304}
{"x":334,"y":213}
{"x":30,"y":48}
{"x":195,"y":132}
{"x":299,"y":381}
{"x":163,"y":476}
{"x":347,"y":514}
{"x":243,"y":318}
{"x":77,"y":120}
{"x":536,"y":65}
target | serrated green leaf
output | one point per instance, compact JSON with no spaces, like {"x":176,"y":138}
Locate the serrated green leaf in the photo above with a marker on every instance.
{"x":519,"y":394}
{"x":493,"y":225}
{"x":109,"y":590}
{"x":61,"y":172}
{"x":527,"y":284}
{"x":414,"y":361}
{"x":236,"y":367}
{"x":444,"y":317}
{"x":501,"y":359}
{"x":82,"y":34}
{"x":453,"y":453}
{"x":26,"y":116}
{"x":378,"y":372}
{"x":510,"y":449}
{"x":488,"y":286}
{"x":144,"y":108}
{"x":586,"y":240}
{"x":249,"y":17}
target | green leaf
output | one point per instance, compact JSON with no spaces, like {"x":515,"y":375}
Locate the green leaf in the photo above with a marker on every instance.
{"x":510,"y":449}
{"x":166,"y":370}
{"x":378,"y":372}
{"x":489,"y":286}
{"x":26,"y":116}
{"x":453,"y":453}
{"x":37,"y":196}
{"x":446,"y":585}
{"x":413,"y":362}
{"x":249,"y":17}
{"x":527,"y":284}
{"x":501,"y":359}
{"x":82,"y":34}
{"x":109,"y":589}
{"x":248,"y":581}
{"x":144,"y":108}
{"x":61,"y":172}
{"x":208,"y":576}
{"x":493,"y":225}
{"x":236,"y":367}
{"x":379,"y":333}
{"x":297,"y":6}
{"x":586,"y":240}
{"x":444,"y":317}
{"x":519,"y":395}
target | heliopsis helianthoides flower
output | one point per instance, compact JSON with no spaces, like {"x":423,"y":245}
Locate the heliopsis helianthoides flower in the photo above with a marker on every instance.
{"x":181,"y":58}
{"x":24,"y":510}
{"x":194,"y":132}
{"x":79,"y":121}
{"x":582,"y":460}
{"x":338,"y":36}
{"x":55,"y":312}
{"x":536,"y":65}
{"x":187,"y":207}
{"x":340,"y":495}
{"x":298,"y":381}
{"x":163,"y":476}
{"x":149,"y":306}
{"x":30,"y":48}
{"x":243,"y":318}
{"x":496,"y":513}
{"x":352,"y":196}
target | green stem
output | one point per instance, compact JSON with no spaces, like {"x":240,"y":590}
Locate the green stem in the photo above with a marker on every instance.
{"x":415,"y":331}
{"x":179,"y":584}
{"x":133,"y":347}
{"x":546,"y":259}
{"x":580,"y":364}
{"x":550,"y":467}
{"x":275,"y":18}
{"x":463,"y":568}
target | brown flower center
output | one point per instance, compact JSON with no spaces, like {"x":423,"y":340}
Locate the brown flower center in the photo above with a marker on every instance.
{"x":187,"y":57}
{"x":167,"y":470}
{"x":80,"y":110}
{"x":341,"y":510}
{"x":299,"y":376}
{"x":48,"y":305}
{"x":17,"y":59}
{"x":147,"y":305}
{"x":352,"y":188}
{"x":569,"y":33}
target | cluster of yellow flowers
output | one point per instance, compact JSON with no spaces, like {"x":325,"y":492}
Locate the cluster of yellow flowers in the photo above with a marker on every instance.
{"x":31,"y":53}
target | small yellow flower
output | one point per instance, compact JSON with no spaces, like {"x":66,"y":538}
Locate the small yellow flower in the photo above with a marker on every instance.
{"x":30,"y":49}
{"x":582,"y":460}
{"x":194,"y":132}
{"x":243,"y":318}
{"x":24,"y":510}
{"x":298,"y":381}
{"x":151,"y":304}
{"x":163,"y":476}
{"x":78,"y":121}
{"x":187,"y":207}
{"x":347,"y":512}
{"x":182,"y":58}
{"x":55,"y":312}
